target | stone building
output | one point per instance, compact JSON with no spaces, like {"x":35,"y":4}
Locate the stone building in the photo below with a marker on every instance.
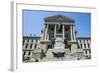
{"x":57,"y":42}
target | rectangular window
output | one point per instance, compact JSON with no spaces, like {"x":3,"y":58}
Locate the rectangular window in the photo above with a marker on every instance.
{"x":84,"y":45}
{"x":87,"y":41}
{"x":26,"y":45}
{"x":24,"y":53}
{"x":29,"y":53}
{"x":86,"y":51}
{"x":89,"y":51}
{"x":88,"y":45}
{"x":32,"y":41}
{"x":35,"y":46}
{"x":80,"y":45}
{"x":83,"y":41}
{"x":31,"y":46}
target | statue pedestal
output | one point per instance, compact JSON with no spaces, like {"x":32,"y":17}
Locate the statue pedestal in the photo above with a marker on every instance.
{"x":59,"y":45}
{"x":58,"y":51}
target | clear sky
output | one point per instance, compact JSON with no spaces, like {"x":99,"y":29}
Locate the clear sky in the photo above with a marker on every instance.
{"x":33,"y":22}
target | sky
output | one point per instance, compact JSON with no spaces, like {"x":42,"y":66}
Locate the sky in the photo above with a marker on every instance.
{"x":33,"y":22}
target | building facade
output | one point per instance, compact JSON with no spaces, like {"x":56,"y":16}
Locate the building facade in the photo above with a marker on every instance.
{"x":57,"y":42}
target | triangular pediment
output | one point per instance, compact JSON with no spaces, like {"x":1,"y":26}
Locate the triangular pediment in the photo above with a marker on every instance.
{"x":58,"y":18}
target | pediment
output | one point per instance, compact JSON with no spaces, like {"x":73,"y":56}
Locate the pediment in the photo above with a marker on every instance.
{"x":58,"y":18}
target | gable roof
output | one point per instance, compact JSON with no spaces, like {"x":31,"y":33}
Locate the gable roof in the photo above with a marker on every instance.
{"x":58,"y":18}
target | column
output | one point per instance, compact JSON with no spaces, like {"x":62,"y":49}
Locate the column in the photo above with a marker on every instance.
{"x":46,"y":30}
{"x":71,"y":32}
{"x":42,"y":34}
{"x":63,"y":31}
{"x":55,"y":31}
{"x":74,"y":38}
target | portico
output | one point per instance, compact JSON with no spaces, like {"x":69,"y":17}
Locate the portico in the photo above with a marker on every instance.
{"x":59,"y":29}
